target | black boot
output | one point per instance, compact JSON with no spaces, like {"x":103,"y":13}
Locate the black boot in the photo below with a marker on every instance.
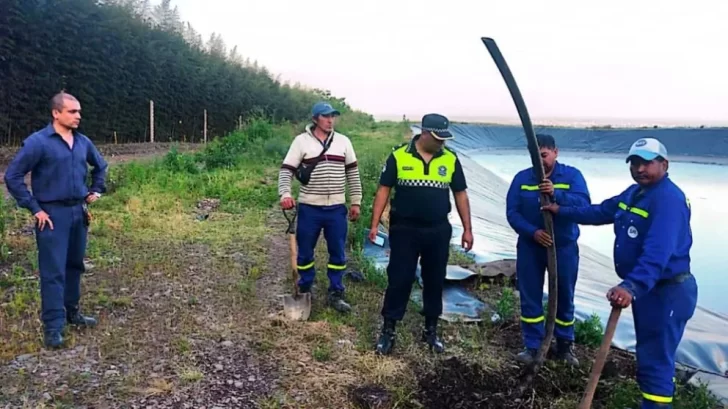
{"x":429,"y":335}
{"x":336,"y":301}
{"x":74,"y":317}
{"x":386,"y":338}
{"x":565,"y":352}
{"x":53,"y":338}
{"x":527,"y":355}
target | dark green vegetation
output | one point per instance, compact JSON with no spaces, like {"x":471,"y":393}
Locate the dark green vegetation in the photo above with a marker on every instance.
{"x":116,"y":56}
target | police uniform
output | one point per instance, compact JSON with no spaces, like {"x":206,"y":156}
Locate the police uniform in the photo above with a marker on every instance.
{"x":523,"y":212}
{"x":419,"y":228}
{"x":652,"y":257}
{"x":59,"y":188}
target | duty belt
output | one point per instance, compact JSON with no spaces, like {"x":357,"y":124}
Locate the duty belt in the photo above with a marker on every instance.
{"x":677,"y":279}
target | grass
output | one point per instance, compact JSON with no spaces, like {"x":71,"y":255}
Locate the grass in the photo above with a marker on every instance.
{"x":189,"y":253}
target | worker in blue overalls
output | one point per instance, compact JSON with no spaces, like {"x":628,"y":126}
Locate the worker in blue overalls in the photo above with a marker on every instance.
{"x":652,"y":257}
{"x":57,"y":158}
{"x":565,"y":185}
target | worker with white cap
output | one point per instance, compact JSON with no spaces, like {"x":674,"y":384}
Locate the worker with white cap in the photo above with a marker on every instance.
{"x":652,"y":257}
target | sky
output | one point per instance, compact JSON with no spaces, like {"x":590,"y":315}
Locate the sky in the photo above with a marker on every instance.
{"x":618,"y":62}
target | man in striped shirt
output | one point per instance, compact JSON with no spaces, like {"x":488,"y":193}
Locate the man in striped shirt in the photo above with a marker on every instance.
{"x":322,"y":198}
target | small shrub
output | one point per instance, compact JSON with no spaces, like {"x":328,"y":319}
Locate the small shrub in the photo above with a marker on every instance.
{"x":506,"y":305}
{"x":589,"y":332}
{"x":259,"y":129}
{"x":174,"y":161}
{"x":225,"y":152}
{"x":276,"y":147}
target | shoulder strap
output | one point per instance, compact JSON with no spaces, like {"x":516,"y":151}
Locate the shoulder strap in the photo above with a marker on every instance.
{"x":327,"y":145}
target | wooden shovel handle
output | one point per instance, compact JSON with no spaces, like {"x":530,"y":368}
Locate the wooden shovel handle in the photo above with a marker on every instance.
{"x":600,"y":359}
{"x":294,"y":256}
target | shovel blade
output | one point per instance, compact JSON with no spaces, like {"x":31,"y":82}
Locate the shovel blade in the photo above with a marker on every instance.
{"x":297,"y":308}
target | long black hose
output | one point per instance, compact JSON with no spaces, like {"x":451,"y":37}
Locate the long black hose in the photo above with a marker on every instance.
{"x":535,"y":154}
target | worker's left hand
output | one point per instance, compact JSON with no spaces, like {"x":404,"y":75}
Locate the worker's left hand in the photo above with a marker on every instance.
{"x":467,"y":240}
{"x":546,"y":187}
{"x":354,"y":212}
{"x":619,"y":297}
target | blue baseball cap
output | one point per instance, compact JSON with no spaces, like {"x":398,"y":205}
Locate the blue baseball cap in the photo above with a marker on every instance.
{"x":647,"y":149}
{"x":323,"y":108}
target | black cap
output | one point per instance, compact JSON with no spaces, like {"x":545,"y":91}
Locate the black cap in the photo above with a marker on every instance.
{"x":437,"y":125}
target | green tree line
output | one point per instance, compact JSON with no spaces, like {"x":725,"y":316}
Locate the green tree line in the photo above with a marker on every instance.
{"x":116,"y":56}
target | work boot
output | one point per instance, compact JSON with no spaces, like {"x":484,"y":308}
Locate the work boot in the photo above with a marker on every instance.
{"x":429,"y":335}
{"x":527,"y":355}
{"x":386,"y":340}
{"x":53,"y":338}
{"x":336,"y":301}
{"x":565,"y":352}
{"x":74,"y":317}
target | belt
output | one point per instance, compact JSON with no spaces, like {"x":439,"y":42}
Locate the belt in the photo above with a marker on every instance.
{"x":677,"y":279}
{"x":417,"y":223}
{"x":65,"y":203}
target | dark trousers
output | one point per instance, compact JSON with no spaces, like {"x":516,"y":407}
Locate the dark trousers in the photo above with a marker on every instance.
{"x":660,"y":317}
{"x":531,"y":272}
{"x":60,"y":260}
{"x":333,"y":221}
{"x":407,"y":244}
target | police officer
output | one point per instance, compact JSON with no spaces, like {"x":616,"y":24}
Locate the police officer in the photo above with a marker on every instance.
{"x":652,"y":257}
{"x":565,"y":185}
{"x":423,"y":171}
{"x":57,"y":156}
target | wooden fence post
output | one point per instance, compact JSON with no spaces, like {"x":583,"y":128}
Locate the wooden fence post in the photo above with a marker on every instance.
{"x":151,"y":121}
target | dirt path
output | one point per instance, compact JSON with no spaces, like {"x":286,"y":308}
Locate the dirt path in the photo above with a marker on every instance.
{"x":175,"y":331}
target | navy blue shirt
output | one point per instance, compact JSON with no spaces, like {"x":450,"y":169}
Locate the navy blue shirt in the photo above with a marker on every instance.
{"x":58,"y":172}
{"x":652,"y":232}
{"x":523,"y":206}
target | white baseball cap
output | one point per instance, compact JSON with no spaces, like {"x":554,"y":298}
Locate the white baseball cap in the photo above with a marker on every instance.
{"x":647,"y":149}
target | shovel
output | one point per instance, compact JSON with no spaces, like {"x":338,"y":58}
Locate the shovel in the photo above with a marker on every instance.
{"x":586,"y":400}
{"x":298,"y":305}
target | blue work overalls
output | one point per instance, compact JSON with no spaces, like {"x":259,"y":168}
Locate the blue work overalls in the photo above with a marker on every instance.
{"x":652,"y":257}
{"x":58,"y":182}
{"x":523,"y":211}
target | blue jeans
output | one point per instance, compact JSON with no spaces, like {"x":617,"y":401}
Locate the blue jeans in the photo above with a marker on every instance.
{"x":333,"y":221}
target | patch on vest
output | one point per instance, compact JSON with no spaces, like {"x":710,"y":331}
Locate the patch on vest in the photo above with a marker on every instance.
{"x":632,"y":232}
{"x":407,"y":168}
{"x":442,"y":171}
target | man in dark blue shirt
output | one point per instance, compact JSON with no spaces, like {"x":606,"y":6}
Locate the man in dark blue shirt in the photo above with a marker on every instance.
{"x":566,"y":185}
{"x":652,"y":257}
{"x":57,"y":158}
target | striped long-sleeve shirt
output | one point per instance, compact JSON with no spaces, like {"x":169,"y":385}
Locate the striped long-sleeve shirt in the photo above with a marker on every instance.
{"x":331,"y":175}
